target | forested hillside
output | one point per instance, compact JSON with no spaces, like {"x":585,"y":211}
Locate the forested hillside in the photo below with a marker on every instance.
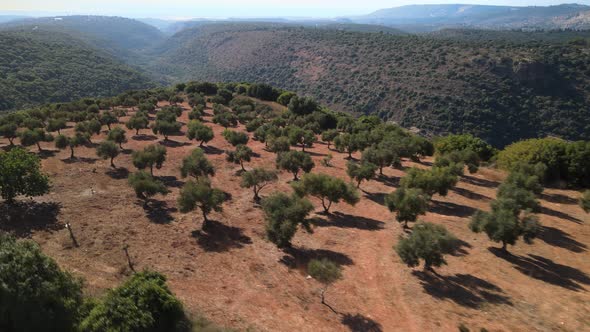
{"x":499,"y":90}
{"x":41,"y":66}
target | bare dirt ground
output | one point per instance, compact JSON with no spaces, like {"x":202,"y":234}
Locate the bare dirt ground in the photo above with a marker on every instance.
{"x":238,"y":279}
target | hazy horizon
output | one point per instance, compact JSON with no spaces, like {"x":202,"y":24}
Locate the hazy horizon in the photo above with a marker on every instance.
{"x":185,"y":9}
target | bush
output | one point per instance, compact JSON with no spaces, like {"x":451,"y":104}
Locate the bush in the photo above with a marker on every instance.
{"x":450,"y":143}
{"x":35,"y":294}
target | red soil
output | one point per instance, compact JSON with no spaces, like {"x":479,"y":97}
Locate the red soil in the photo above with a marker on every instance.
{"x":237,"y":278}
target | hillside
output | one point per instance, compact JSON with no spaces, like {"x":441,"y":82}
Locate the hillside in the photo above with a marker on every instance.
{"x":42,"y":66}
{"x":234,"y":275}
{"x":424,"y":17}
{"x":500,"y":90}
{"x":119,"y":36}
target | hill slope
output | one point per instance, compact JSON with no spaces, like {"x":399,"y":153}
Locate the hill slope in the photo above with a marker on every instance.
{"x":41,"y":66}
{"x":501,"y":91}
{"x":494,"y":17}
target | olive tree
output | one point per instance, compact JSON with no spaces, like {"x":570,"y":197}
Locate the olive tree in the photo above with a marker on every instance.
{"x":328,"y":189}
{"x":409,"y":203}
{"x":240,"y":155}
{"x":108,"y":150}
{"x":20,"y":174}
{"x":197,"y":165}
{"x":235,"y":138}
{"x":145,"y":186}
{"x":283,"y":216}
{"x":299,"y":136}
{"x":294,"y":162}
{"x":35,"y":136}
{"x":257,"y":179}
{"x":118,"y":136}
{"x":200,"y":194}
{"x":435,"y":180}
{"x":137,"y":122}
{"x":585,"y":201}
{"x":56,"y":125}
{"x":380,"y":156}
{"x":329,"y":135}
{"x":427,"y":242}
{"x":199,"y":132}
{"x":150,"y":156}
{"x":9,"y":131}
{"x":62,"y":142}
{"x":326,"y":272}
{"x":360,"y":171}
{"x":108,"y":118}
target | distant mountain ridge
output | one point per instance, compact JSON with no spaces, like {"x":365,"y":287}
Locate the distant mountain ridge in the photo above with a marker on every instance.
{"x":565,"y":16}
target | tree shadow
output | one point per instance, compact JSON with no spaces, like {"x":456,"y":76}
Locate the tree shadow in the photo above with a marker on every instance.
{"x":298,"y":258}
{"x":388,"y":181}
{"x":173,"y":144}
{"x":559,"y":215}
{"x":546,"y":270}
{"x":315,"y":154}
{"x":451,"y":209}
{"x":158,"y":211}
{"x":24,"y":217}
{"x":143,"y":137}
{"x":460,"y":248}
{"x":118,"y":173}
{"x":480,"y":182}
{"x":378,"y":198}
{"x":360,"y":323}
{"x":218,"y":237}
{"x":470,"y":194}
{"x":126,"y":151}
{"x":463,"y":289}
{"x":208,"y":149}
{"x":171,"y":181}
{"x":558,"y":199}
{"x":80,"y":160}
{"x":343,"y":220}
{"x":559,"y":238}
{"x":44,"y":154}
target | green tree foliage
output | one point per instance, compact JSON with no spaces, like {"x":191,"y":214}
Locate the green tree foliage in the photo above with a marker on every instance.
{"x":108,"y":150}
{"x":62,"y":142}
{"x":9,"y":131}
{"x":285,"y":98}
{"x":451,"y":143}
{"x":302,"y":137}
{"x":35,"y":136}
{"x":235,"y":138}
{"x":283,"y":216}
{"x":329,"y":135}
{"x":91,"y":127}
{"x":457,"y":160}
{"x":585,"y":201}
{"x":107,"y":119}
{"x":142,"y":303}
{"x":197,"y":112}
{"x":360,"y":172}
{"x":200,"y":194}
{"x":197,"y":165}
{"x":150,"y":156}
{"x":137,"y":122}
{"x":294,"y":162}
{"x":409,"y":203}
{"x":241,"y":154}
{"x":263,"y":91}
{"x":326,"y":272}
{"x":302,"y":105}
{"x":350,"y":143}
{"x":35,"y":294}
{"x":199,"y":132}
{"x":117,"y":135}
{"x":327,"y":188}
{"x":257,"y":179}
{"x":146,"y":186}
{"x":166,"y":128}
{"x":435,"y":180}
{"x":56,"y":125}
{"x":225,"y":119}
{"x":279,"y":144}
{"x":20,"y":174}
{"x":380,"y":156}
{"x":427,"y":242}
{"x":505,"y":223}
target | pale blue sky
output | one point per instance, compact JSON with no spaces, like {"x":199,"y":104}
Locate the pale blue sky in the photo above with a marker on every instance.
{"x":229,"y":8}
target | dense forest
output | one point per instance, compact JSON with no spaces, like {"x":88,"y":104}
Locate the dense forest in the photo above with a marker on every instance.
{"x":40,"y":66}
{"x":501,"y":86}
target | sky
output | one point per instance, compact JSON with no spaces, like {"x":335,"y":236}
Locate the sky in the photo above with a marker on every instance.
{"x":180,"y":9}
